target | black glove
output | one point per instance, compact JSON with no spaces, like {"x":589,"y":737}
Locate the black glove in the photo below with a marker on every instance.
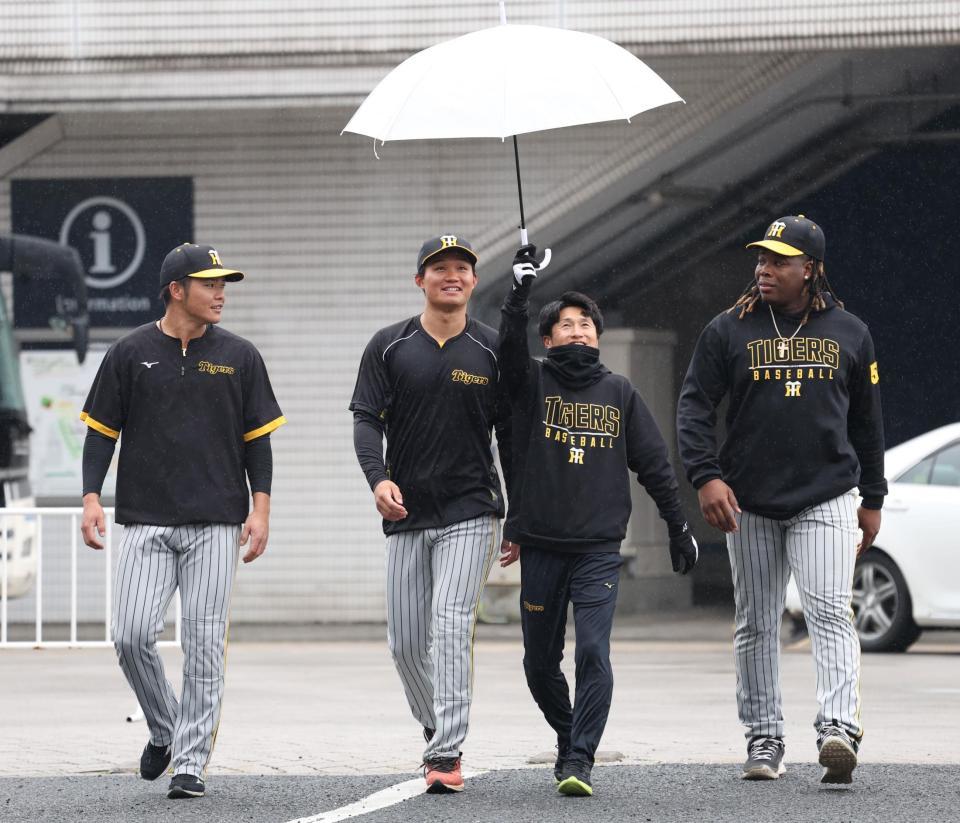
{"x":683,"y":551}
{"x":525,"y":267}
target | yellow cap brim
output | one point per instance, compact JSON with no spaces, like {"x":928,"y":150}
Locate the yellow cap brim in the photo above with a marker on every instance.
{"x":231,"y":275}
{"x":776,"y":246}
{"x":471,"y":252}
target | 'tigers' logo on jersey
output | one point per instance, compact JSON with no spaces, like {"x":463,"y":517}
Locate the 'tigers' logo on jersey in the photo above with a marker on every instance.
{"x":460,"y":376}
{"x":214,"y":368}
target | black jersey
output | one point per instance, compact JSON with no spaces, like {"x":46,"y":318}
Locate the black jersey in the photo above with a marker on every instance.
{"x":437,"y":406}
{"x":578,"y":430}
{"x":182,"y":418}
{"x":804,"y":422}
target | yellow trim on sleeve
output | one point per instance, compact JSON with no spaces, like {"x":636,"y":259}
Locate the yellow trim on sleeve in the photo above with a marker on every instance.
{"x":273,"y":424}
{"x":94,"y":424}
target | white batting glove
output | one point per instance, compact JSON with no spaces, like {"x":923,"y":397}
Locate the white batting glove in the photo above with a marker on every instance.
{"x":525,"y":266}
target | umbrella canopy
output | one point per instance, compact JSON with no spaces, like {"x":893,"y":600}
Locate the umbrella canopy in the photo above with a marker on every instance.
{"x":509,"y":80}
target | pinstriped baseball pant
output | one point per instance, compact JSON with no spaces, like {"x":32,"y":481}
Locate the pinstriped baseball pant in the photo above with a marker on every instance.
{"x":200,"y":560}
{"x":818,"y":546}
{"x":434,"y":581}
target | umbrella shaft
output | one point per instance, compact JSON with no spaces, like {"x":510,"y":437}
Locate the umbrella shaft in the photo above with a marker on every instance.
{"x":516,"y":158}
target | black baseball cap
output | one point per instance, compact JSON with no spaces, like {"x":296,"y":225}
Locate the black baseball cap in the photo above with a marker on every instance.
{"x":445,"y":242}
{"x":193,"y":260}
{"x":793,"y":235}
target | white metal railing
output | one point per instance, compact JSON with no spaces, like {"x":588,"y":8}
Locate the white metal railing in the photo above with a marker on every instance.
{"x":19,"y":525}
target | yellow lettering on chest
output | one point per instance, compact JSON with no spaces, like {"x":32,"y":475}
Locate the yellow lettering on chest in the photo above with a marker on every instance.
{"x":206,"y":367}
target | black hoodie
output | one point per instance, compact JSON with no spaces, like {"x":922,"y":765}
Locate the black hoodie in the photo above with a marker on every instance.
{"x":803,"y":424}
{"x":577,"y":429}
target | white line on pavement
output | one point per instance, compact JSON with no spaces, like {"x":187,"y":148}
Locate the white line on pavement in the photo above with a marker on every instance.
{"x":378,"y":800}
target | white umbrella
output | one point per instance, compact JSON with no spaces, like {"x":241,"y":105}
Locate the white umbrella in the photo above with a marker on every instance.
{"x":509,"y":80}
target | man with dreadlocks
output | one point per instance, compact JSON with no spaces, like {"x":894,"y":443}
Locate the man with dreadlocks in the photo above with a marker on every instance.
{"x":803,"y":430}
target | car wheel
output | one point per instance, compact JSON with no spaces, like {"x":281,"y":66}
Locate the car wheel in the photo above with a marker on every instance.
{"x":882,"y":608}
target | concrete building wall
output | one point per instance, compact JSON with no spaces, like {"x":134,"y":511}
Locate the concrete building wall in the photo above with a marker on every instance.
{"x":328,"y":235}
{"x":248,"y":97}
{"x":204,"y":29}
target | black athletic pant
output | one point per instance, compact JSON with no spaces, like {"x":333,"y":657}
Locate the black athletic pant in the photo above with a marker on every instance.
{"x":549,"y":580}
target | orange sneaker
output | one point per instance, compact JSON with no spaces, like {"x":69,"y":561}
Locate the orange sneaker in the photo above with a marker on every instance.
{"x":443,"y":775}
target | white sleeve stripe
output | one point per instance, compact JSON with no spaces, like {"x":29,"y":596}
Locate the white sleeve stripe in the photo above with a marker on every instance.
{"x":398,"y":340}
{"x":492,"y":354}
{"x":496,"y":362}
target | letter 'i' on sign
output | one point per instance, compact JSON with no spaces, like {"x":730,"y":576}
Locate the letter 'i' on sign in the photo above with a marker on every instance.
{"x":576,"y":456}
{"x":102,"y":245}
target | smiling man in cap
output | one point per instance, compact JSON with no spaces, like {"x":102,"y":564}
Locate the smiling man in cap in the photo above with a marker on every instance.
{"x":430,"y":385}
{"x":195,"y":408}
{"x":803,"y":432}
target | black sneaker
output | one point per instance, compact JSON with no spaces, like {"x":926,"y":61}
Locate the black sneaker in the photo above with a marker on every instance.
{"x":185,"y":785}
{"x":764,"y":759}
{"x":428,"y":733}
{"x":563,"y":750}
{"x":838,"y":755}
{"x":576,"y":780}
{"x":154,"y":761}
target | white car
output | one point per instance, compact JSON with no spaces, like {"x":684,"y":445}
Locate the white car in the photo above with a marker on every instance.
{"x":910,"y":579}
{"x":18,"y":544}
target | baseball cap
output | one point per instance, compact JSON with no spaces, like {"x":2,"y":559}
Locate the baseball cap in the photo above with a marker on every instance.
{"x":444,"y":242}
{"x":794,"y":235}
{"x":193,"y":260}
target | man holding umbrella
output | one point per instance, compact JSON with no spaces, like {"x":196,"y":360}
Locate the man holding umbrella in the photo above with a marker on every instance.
{"x":578,"y":430}
{"x":429,"y":384}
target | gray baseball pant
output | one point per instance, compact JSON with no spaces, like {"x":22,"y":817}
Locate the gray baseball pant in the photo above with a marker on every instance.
{"x":818,"y":546}
{"x":434,"y":581}
{"x":200,"y":560}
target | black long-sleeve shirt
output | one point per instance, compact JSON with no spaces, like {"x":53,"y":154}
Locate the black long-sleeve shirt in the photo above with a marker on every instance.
{"x":437,"y":406}
{"x":577,"y":429}
{"x":804,"y":423}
